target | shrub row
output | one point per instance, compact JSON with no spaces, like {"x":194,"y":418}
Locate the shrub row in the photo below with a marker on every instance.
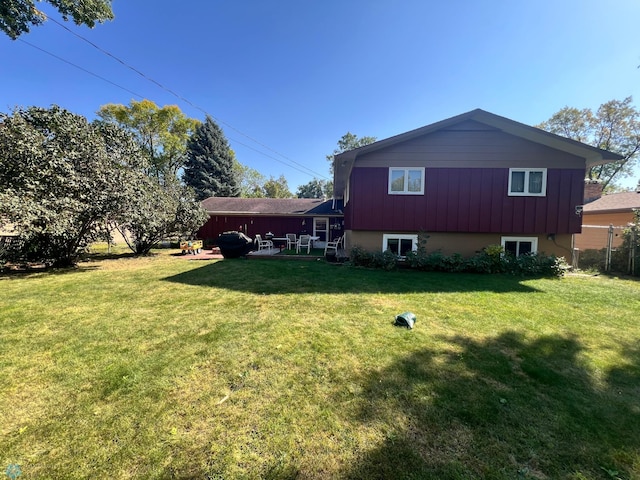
{"x":491,"y":259}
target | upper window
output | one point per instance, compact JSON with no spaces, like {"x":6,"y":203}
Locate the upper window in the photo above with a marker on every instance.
{"x":406,"y":181}
{"x":399,"y":244}
{"x":529,"y":182}
{"x":517,"y":246}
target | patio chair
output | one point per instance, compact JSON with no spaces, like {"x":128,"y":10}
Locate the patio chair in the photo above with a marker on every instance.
{"x":291,"y":241}
{"x":334,"y":245}
{"x":303,"y":241}
{"x":263,"y":243}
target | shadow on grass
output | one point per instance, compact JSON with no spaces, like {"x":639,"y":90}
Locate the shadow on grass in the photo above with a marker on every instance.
{"x":80,"y":267}
{"x":96,"y":257}
{"x":281,"y":277}
{"x":39,"y":272}
{"x":505,"y":408}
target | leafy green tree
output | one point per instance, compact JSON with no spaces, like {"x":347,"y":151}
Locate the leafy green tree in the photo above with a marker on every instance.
{"x":615,"y":126}
{"x":251,"y":181}
{"x":18,"y":16}
{"x":277,"y":188}
{"x":209,"y":166}
{"x":162,"y":132}
{"x":61,"y":177}
{"x":157,"y":212}
{"x":347,"y":142}
{"x":315,"y":189}
{"x":159,"y":207}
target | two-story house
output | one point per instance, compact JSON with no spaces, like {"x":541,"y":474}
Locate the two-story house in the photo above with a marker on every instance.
{"x":469,"y":181}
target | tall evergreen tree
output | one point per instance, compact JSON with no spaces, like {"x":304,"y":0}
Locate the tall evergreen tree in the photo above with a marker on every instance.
{"x":209,"y":167}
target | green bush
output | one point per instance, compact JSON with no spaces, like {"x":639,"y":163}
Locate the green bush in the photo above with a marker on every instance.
{"x":536,"y":265}
{"x":11,"y":250}
{"x":360,"y":257}
{"x":630,"y":248}
{"x":491,"y":259}
{"x":435,"y":262}
{"x":593,"y":259}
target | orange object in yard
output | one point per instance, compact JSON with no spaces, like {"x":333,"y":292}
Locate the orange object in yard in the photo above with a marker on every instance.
{"x":191,"y":246}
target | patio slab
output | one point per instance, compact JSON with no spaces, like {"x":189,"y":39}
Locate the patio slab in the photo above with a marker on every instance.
{"x":264,"y":252}
{"x":203,"y":255}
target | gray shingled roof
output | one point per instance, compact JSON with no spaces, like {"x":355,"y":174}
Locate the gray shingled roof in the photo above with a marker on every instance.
{"x":268,"y":206}
{"x":615,"y":202}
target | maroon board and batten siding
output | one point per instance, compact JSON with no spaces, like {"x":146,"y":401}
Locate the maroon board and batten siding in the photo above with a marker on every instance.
{"x":260,"y":225}
{"x":464,"y":200}
{"x":466,"y":185}
{"x":252,"y":225}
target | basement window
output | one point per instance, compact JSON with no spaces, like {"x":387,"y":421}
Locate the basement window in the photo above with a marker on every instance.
{"x":517,"y":246}
{"x":399,"y":244}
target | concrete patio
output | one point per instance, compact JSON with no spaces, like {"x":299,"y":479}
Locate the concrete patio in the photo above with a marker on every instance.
{"x":274,"y":253}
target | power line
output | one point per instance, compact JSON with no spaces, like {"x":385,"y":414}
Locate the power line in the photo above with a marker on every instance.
{"x":269,"y":156}
{"x":140,"y":96}
{"x":180,"y":97}
{"x":101,"y":50}
{"x":79,"y":67}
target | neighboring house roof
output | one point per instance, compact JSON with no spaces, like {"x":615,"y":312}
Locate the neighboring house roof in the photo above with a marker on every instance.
{"x":615,"y":202}
{"x":343,"y":162}
{"x":271,"y":206}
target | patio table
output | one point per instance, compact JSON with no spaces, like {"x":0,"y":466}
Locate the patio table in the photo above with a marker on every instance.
{"x":279,"y":239}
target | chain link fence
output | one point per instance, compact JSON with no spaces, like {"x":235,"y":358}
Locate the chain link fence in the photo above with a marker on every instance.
{"x":607,"y":249}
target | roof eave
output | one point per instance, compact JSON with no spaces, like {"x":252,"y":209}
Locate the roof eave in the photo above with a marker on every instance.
{"x":343,"y":162}
{"x":592,"y":155}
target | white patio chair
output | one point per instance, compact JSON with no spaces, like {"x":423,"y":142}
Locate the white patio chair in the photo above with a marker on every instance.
{"x":334,"y":245}
{"x":303,"y":241}
{"x":291,"y":241}
{"x":263,"y":244}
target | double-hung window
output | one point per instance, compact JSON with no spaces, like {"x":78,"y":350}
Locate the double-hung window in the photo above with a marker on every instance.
{"x":406,"y":181}
{"x":528,"y":182}
{"x":517,"y":246}
{"x":399,"y":244}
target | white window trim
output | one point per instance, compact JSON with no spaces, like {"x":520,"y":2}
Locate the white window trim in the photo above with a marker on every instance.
{"x":533,"y":240}
{"x":406,"y":182}
{"x":399,"y":236}
{"x":527,"y":171}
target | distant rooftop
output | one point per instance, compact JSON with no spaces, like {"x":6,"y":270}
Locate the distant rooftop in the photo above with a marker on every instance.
{"x":614,"y":202}
{"x":271,"y":206}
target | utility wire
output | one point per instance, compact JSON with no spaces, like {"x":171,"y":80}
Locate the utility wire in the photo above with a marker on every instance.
{"x":269,"y":156}
{"x":79,"y":67}
{"x":122,"y":62}
{"x":180,"y":97}
{"x":141,"y":97}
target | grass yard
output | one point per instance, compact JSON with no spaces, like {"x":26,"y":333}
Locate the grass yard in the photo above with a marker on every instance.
{"x":161,"y":367}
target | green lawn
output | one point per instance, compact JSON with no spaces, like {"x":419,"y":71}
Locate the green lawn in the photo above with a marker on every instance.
{"x":164,"y":367}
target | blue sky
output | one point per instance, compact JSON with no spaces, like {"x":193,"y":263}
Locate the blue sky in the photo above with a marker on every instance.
{"x":286,"y":79}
